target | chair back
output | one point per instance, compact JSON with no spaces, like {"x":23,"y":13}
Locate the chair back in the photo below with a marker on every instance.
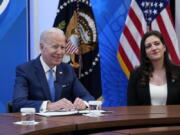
{"x":9,"y":107}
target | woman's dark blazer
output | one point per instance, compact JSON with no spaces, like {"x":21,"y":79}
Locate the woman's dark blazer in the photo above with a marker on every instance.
{"x":139,"y":94}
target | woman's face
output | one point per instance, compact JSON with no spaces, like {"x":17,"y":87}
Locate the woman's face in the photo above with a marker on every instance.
{"x":154,"y":48}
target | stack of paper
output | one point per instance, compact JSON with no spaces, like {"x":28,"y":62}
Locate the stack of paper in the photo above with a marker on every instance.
{"x":63,"y":113}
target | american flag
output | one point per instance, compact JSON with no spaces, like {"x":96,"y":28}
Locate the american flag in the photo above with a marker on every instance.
{"x":72,"y":44}
{"x":145,"y":15}
{"x":71,"y":48}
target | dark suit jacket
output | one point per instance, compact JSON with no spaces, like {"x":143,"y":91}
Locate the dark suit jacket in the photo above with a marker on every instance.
{"x":31,"y":86}
{"x":139,"y":94}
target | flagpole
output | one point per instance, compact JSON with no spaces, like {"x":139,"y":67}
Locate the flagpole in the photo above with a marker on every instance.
{"x":79,"y":36}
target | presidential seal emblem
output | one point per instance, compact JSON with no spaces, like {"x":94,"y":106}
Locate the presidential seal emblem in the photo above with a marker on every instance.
{"x":81,"y":33}
{"x":76,"y":19}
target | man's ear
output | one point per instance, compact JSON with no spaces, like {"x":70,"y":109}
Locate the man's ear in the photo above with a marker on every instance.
{"x":41,"y":46}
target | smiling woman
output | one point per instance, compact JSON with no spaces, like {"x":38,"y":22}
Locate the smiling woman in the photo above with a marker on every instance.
{"x":154,"y":48}
{"x":156,"y":81}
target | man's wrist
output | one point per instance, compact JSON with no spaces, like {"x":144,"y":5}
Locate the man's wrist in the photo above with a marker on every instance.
{"x":86,"y":103}
{"x":48,"y":108}
{"x":43,"y":107}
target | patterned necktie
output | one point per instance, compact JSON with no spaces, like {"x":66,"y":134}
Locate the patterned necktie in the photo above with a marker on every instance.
{"x":51,"y":84}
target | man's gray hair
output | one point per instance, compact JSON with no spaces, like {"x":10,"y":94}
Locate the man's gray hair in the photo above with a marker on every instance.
{"x":45,"y":34}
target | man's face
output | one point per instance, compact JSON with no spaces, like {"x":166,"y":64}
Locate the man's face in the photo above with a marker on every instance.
{"x":54,"y":50}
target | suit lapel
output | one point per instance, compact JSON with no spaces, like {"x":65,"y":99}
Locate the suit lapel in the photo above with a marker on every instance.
{"x":145,"y":94}
{"x":170,"y":88}
{"x":58,"y":82}
{"x":148,"y":95}
{"x":42,"y":78}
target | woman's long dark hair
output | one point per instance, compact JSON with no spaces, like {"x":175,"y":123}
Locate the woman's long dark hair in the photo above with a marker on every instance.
{"x":146,"y":67}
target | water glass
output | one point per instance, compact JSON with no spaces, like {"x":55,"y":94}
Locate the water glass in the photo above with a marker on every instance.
{"x":28,"y":116}
{"x":95,"y":105}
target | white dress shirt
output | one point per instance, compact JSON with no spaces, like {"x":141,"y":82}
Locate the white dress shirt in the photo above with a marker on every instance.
{"x":46,"y":68}
{"x":158,"y":94}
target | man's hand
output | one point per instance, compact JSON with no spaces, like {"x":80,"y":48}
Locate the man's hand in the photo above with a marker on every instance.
{"x":79,"y":104}
{"x":60,"y":104}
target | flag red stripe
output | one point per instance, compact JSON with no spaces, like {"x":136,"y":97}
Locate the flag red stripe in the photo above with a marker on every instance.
{"x":132,"y":41}
{"x":125,"y":58}
{"x":136,"y":21}
{"x":169,"y":14}
{"x":168,"y":40}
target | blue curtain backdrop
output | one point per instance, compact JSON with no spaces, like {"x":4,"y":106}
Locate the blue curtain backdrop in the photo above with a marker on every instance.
{"x":13,"y":46}
{"x":110,"y":17}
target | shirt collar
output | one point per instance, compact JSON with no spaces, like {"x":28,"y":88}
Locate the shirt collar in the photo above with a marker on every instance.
{"x":45,"y":66}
